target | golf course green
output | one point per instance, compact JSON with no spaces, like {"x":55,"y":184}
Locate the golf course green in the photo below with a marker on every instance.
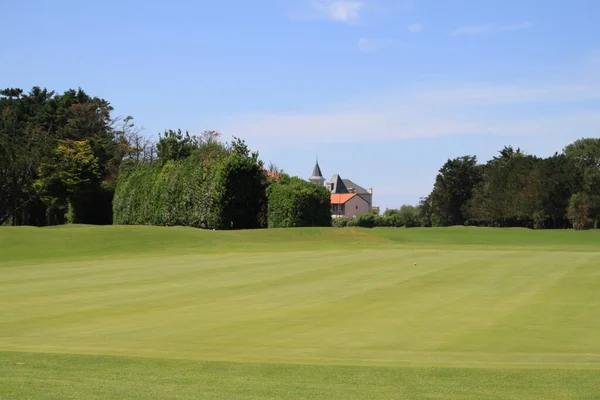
{"x":139,"y":312}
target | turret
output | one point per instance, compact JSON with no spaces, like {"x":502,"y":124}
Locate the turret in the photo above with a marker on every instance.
{"x":317,"y":177}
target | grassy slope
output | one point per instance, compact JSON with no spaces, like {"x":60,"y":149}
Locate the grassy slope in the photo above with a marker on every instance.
{"x":307,"y":313}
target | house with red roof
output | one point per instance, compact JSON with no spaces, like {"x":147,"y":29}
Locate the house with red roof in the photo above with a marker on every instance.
{"x":348,"y":199}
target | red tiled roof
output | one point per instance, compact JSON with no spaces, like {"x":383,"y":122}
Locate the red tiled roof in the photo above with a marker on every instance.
{"x":271,"y":174}
{"x":341,"y":198}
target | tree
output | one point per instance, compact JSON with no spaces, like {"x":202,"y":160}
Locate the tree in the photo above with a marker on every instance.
{"x":584,"y":152}
{"x":31,"y":127}
{"x":453,"y":189}
{"x":174,"y":145}
{"x":70,"y":173}
{"x":25,"y":139}
{"x":510,"y":193}
{"x":559,"y":179}
{"x":409,"y":216}
{"x":294,"y":202}
{"x":580,"y":210}
{"x":426,"y":213}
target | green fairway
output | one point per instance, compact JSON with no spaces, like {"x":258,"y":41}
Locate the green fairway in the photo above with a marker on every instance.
{"x":150,"y":312}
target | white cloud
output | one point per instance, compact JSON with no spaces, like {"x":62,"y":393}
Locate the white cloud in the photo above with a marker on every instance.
{"x":339,"y":10}
{"x":490,"y":28}
{"x":366,"y":45}
{"x":415,"y":28}
{"x":422,"y":112}
{"x":353,"y":12}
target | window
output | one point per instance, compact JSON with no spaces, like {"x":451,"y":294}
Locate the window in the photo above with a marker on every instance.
{"x":338,"y":209}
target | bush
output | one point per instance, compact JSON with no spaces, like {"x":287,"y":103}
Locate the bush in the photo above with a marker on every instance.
{"x":239,"y":195}
{"x":366,"y":221}
{"x":340,"y":222}
{"x":383,"y":221}
{"x":294,"y":202}
{"x":223,"y":191}
{"x":409,"y":216}
{"x":352,"y":222}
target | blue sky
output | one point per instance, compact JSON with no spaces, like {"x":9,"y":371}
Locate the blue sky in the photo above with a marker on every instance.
{"x":383,"y":91}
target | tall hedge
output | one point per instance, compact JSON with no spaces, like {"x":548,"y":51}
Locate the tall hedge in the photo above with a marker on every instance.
{"x":226,"y":192}
{"x":294,"y":202}
{"x":240,"y":186}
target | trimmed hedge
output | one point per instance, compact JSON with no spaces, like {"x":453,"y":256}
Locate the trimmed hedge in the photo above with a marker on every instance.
{"x":239,"y":193}
{"x":222,"y":192}
{"x":294,"y":202}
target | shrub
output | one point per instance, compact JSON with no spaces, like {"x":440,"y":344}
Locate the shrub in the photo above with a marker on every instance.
{"x":366,"y":221}
{"x":352,"y":222}
{"x":294,"y":202}
{"x":340,"y":222}
{"x":239,"y":195}
{"x":220,"y":190}
{"x":383,"y":221}
{"x":409,"y":216}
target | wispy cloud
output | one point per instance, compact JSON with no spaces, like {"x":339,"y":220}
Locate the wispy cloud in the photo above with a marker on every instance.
{"x":486,"y":29}
{"x":366,"y":45}
{"x":415,"y":28}
{"x":353,"y":12}
{"x":422,"y":112}
{"x":339,"y":10}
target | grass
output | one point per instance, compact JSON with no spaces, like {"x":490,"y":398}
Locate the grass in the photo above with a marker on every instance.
{"x":147,"y":312}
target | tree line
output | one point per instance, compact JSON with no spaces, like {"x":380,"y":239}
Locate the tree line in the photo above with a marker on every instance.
{"x":515,"y":189}
{"x":64,"y":158}
{"x":59,"y":157}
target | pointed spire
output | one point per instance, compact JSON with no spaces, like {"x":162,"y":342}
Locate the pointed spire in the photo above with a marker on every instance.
{"x":317,"y":170}
{"x":317,"y":177}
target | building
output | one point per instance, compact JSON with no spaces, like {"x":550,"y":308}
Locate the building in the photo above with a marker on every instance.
{"x":348,"y":199}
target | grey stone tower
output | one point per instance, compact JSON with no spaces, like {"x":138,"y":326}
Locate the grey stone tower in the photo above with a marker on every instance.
{"x":317,"y":177}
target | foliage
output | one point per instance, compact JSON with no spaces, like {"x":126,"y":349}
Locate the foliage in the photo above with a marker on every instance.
{"x":510,"y":191}
{"x":409,"y":216}
{"x":73,"y":168}
{"x":214,"y":187}
{"x":584,"y":154}
{"x":240,"y":184}
{"x":168,"y":194}
{"x":453,"y":188}
{"x":391,"y":218}
{"x":32,"y":127}
{"x":173,"y":146}
{"x":365,"y":220}
{"x":352,"y":222}
{"x":382,"y":221}
{"x":294,"y":202}
{"x":406,"y":215}
{"x":580,"y":211}
{"x":340,"y":222}
{"x":518,"y":190}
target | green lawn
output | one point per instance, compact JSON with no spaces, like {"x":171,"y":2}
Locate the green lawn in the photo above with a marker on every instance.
{"x":152,"y":312}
